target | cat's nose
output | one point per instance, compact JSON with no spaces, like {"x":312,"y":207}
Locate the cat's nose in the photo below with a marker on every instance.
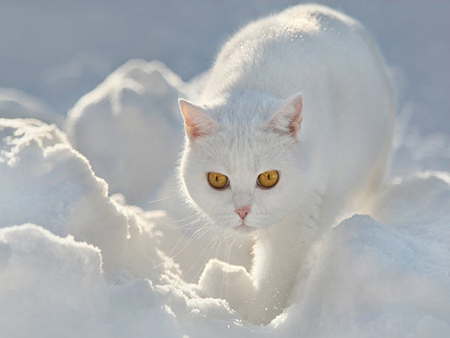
{"x":243,"y":211}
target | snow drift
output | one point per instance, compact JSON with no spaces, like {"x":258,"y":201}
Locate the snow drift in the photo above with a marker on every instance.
{"x":130,"y":129}
{"x":46,"y":182}
{"x":371,"y":280}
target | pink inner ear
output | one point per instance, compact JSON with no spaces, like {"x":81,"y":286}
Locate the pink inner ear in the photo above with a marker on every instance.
{"x":191,"y":130}
{"x":288,"y":119}
{"x":196,"y":122}
{"x":296,"y":124}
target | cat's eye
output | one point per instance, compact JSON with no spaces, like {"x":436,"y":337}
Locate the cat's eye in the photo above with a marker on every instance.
{"x":217,"y":181}
{"x":268,"y":179}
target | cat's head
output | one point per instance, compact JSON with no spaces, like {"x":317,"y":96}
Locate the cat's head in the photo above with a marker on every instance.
{"x":244,"y":175}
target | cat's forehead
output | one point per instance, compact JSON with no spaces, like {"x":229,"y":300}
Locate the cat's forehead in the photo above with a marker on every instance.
{"x":238,"y":150}
{"x":239,"y":110}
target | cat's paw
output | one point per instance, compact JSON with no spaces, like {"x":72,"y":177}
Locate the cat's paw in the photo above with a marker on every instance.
{"x":230,"y":282}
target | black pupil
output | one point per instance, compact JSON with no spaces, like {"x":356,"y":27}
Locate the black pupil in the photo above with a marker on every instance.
{"x":217,"y":178}
{"x":268,"y":177}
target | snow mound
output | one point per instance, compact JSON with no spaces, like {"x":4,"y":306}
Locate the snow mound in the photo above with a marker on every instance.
{"x":16,"y":104}
{"x":63,"y":277}
{"x":46,"y":182}
{"x":371,"y":280}
{"x":130,"y":129}
{"x":216,"y":278}
{"x":55,"y":286}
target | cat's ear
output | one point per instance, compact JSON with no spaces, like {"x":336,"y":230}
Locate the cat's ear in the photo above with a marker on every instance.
{"x":196,"y":122}
{"x":288,"y":118}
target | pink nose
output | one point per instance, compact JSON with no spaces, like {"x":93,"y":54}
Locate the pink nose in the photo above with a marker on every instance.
{"x":243,"y":211}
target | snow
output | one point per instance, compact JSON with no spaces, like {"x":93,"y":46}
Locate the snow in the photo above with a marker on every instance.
{"x":95,"y":241}
{"x":120,"y":126}
{"x":65,"y":281}
{"x":64,"y":277}
{"x":93,"y":266}
{"x":16,"y":104}
{"x":36,"y":160}
{"x":371,"y":280}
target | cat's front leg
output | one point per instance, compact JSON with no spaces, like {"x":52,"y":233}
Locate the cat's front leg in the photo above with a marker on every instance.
{"x":281,"y":262}
{"x":269,"y":301}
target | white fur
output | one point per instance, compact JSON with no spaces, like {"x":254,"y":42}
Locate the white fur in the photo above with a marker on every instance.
{"x":336,"y":160}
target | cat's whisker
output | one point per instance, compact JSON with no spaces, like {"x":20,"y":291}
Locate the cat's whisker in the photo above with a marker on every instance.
{"x":200,"y":231}
{"x":188,"y":217}
{"x":162,"y":199}
{"x":224,"y":239}
{"x":197,"y":235}
{"x":228,"y":262}
{"x":169,"y":225}
{"x":197,"y":260}
{"x":173,"y":249}
{"x":188,"y":225}
{"x":208,"y":256}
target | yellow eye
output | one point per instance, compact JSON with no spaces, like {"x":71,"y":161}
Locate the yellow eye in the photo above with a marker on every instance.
{"x":217,"y":181}
{"x":268,"y":179}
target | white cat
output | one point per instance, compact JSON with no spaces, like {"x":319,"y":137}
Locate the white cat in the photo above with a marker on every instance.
{"x":294,"y":126}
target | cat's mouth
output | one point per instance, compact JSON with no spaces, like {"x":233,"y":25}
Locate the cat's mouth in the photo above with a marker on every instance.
{"x":243,"y":228}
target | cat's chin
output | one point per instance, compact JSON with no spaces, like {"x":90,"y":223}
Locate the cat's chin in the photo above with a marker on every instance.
{"x":244,"y":229}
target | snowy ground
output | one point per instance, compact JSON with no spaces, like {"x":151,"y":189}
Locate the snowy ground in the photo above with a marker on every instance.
{"x":85,"y":251}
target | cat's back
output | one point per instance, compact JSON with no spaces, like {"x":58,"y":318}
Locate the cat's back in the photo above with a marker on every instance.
{"x":296,"y":26}
{"x":328,"y":57}
{"x":283,"y":52}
